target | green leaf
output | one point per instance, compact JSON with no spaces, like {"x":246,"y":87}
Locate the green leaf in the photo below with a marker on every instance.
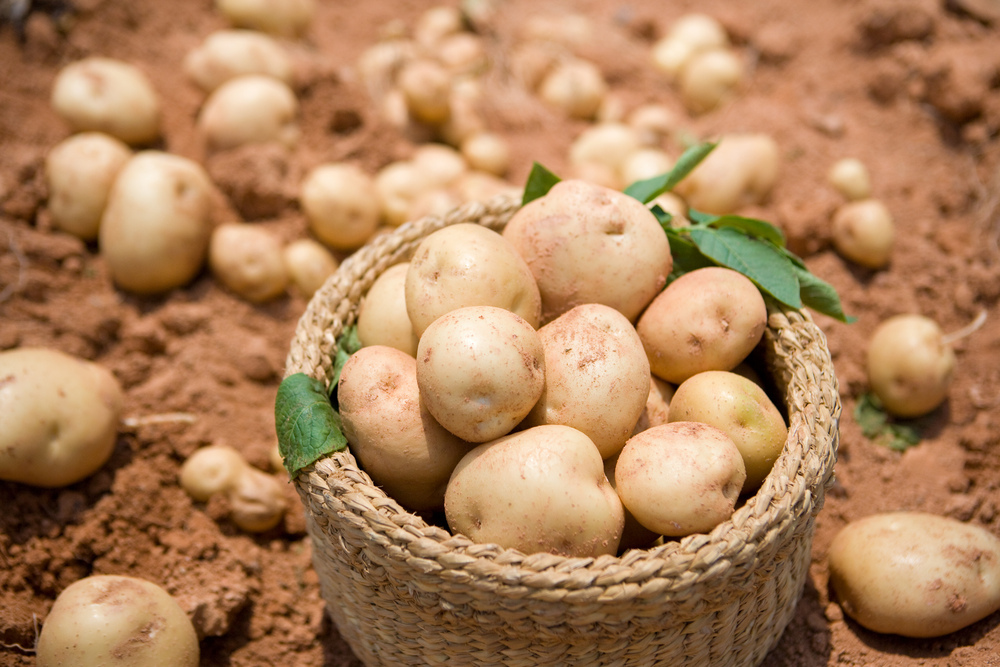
{"x":686,"y":256}
{"x":760,"y":261}
{"x":308,"y":427}
{"x":665,"y":218}
{"x":651,"y":188}
{"x":753,"y":227}
{"x":540,"y":181}
{"x":820,"y":295}
{"x":347,"y":344}
{"x":878,"y":426}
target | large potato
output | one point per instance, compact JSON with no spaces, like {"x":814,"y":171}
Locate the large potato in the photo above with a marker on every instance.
{"x":60,"y":417}
{"x":226,"y":54}
{"x":480,"y":370}
{"x":390,"y":431}
{"x":915,"y":574}
{"x":739,"y":408}
{"x":382,"y":316}
{"x":468,"y":265}
{"x":596,"y":376}
{"x":588,"y":244}
{"x":155,"y":230}
{"x":538,"y":490}
{"x":708,"y":319}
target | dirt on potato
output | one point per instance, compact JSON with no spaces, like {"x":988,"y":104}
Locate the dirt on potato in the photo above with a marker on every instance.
{"x":912,"y":89}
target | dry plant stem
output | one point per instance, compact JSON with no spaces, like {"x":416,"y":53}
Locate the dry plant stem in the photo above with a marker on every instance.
{"x":19,"y":647}
{"x":22,"y":265}
{"x":165,"y":418}
{"x":966,"y":330}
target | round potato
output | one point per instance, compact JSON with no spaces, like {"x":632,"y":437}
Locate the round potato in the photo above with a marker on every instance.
{"x":247,"y":109}
{"x":680,"y":478}
{"x":480,"y":370}
{"x":708,"y":319}
{"x":538,"y":490}
{"x":634,"y":534}
{"x":588,"y":244}
{"x":226,"y":54}
{"x":382,"y":316}
{"x":60,"y":416}
{"x":341,"y":205}
{"x":915,"y":574}
{"x":739,"y":408}
{"x":864,"y":232}
{"x":596,"y":376}
{"x":286,"y":18}
{"x":740,"y":172}
{"x":390,"y":431}
{"x":910,"y":366}
{"x":468,"y":265}
{"x":308,"y":264}
{"x":709,"y":78}
{"x":577,"y":87}
{"x":248,"y":260}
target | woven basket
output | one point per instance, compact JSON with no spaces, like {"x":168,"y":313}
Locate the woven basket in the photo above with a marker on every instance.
{"x":404,"y":592}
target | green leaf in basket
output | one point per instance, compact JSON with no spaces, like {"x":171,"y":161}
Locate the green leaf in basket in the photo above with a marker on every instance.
{"x":878,"y":426}
{"x":347,"y":344}
{"x":687,"y":257}
{"x":820,"y":295}
{"x":651,"y":188}
{"x":540,"y":181}
{"x":308,"y":427}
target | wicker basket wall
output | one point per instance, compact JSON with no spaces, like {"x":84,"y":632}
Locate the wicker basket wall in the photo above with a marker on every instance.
{"x":403,"y":592}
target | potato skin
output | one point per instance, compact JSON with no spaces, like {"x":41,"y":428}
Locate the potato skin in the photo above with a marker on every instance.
{"x":909,"y":365}
{"x":915,"y":574}
{"x":382,"y":316}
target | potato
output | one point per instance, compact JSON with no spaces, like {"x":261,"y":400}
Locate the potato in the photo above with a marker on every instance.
{"x":398,"y":184}
{"x":538,"y":490}
{"x":439,"y":202}
{"x":740,"y":172}
{"x":468,"y":265}
{"x":588,"y":244}
{"x":60,"y":416}
{"x":117,"y":620}
{"x":909,"y":365}
{"x":739,"y":408}
{"x":634,"y":534}
{"x":227,"y":54}
{"x":390,"y":431}
{"x":463,"y":54}
{"x":308,"y":264}
{"x":107,"y":95}
{"x":438,"y":164}
{"x":654,"y":123}
{"x":79,"y":172}
{"x":248,"y":260}
{"x":425,"y":85}
{"x":688,"y":36}
{"x":480,"y":370}
{"x":382,"y":316}
{"x":608,"y":144}
{"x":286,"y":18}
{"x":709,"y":78}
{"x":849,"y":176}
{"x":341,"y":205}
{"x":915,"y":574}
{"x":486,"y":151}
{"x":863,"y":232}
{"x":247,"y":109}
{"x":576,"y":87}
{"x":645,"y":163}
{"x":680,"y":478}
{"x":657,"y":410}
{"x":437,"y":23}
{"x":155,"y":230}
{"x":211,"y":470}
{"x":708,"y":319}
{"x":596,"y":376}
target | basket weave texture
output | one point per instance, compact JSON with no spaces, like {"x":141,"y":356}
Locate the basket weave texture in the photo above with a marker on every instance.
{"x":405,"y":592}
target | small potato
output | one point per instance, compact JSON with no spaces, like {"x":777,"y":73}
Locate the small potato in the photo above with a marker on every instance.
{"x":596,"y":376}
{"x":79,"y":172}
{"x":670,"y":55}
{"x":608,"y":144}
{"x":285,"y":18}
{"x":654,"y":123}
{"x":436,"y":24}
{"x":538,"y":490}
{"x":227,"y":54}
{"x":341,"y":205}
{"x":248,"y":109}
{"x":741,"y":171}
{"x":156,"y":226}
{"x":248,"y":260}
{"x":680,"y":478}
{"x":481,"y":187}
{"x":675,"y":206}
{"x":425,"y":85}
{"x":909,"y":365}
{"x":708,"y":319}
{"x":480,"y":370}
{"x":468,"y":265}
{"x":700,"y":31}
{"x":439,"y":165}
{"x":645,"y":163}
{"x":915,"y":574}
{"x":709,"y":79}
{"x":390,"y":431}
{"x":382,"y":316}
{"x":588,"y":244}
{"x":486,"y":151}
{"x":574,"y":86}
{"x":863,"y":232}
{"x":849,"y":176}
{"x":107,"y":95}
{"x":438,"y":201}
{"x":739,"y":408}
{"x":211,"y":470}
{"x":308,"y":264}
{"x":117,"y":620}
{"x":398,"y":185}
{"x":657,"y":410}
{"x":60,"y":417}
{"x":463,"y":54}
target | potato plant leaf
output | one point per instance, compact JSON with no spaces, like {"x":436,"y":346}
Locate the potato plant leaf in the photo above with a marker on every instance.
{"x":347,"y":344}
{"x":820,"y":295}
{"x":651,"y":188}
{"x":878,"y":426}
{"x":307,"y":426}
{"x":751,"y":226}
{"x":540,"y":181}
{"x":687,"y":257}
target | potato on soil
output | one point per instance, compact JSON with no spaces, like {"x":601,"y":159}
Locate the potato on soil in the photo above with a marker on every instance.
{"x":341,"y":205}
{"x":425,"y":85}
{"x":849,"y":176}
{"x":226,"y":54}
{"x":248,"y":260}
{"x":538,"y":490}
{"x":680,"y":478}
{"x":596,"y":376}
{"x":588,"y":244}
{"x":915,"y":574}
{"x":480,"y":370}
{"x":391,"y":432}
{"x":708,"y":319}
{"x":155,"y":230}
{"x":60,"y":416}
{"x":382,"y":316}
{"x":741,"y":171}
{"x":467,"y":264}
{"x":576,"y":87}
{"x":117,"y":620}
{"x":308,"y":264}
{"x":608,"y":144}
{"x":250,"y":109}
{"x":709,"y":79}
{"x":864,"y":232}
{"x":285,"y":18}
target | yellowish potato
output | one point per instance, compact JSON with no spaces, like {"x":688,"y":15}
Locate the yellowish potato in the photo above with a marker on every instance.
{"x":247,"y":109}
{"x":425,"y":85}
{"x":285,"y":18}
{"x":248,"y":260}
{"x":741,"y":171}
{"x":341,"y":205}
{"x":709,"y":79}
{"x":308,"y":264}
{"x":486,"y":151}
{"x":576,"y":87}
{"x":634,"y":534}
{"x":849,"y":176}
{"x":608,"y":144}
{"x":398,"y":185}
{"x":538,"y":490}
{"x":864,"y":232}
{"x":910,"y":365}
{"x":226,"y":54}
{"x":382,"y":316}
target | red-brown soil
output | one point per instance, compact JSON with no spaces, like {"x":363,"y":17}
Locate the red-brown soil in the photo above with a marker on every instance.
{"x":910,"y":88}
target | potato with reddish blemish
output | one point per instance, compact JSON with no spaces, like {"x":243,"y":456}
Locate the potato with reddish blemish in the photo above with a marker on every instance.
{"x":740,"y":409}
{"x":382,"y":316}
{"x":596,"y":376}
{"x":915,"y":574}
{"x":468,"y":265}
{"x":680,"y":478}
{"x":708,"y":319}
{"x":538,"y":490}
{"x":480,"y":370}
{"x":391,"y":432}
{"x":589,"y":244}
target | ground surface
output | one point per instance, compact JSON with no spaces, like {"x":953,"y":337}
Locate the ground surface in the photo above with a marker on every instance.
{"x":910,"y":88}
